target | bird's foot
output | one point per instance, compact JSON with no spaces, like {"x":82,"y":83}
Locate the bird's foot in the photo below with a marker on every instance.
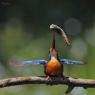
{"x":48,"y":78}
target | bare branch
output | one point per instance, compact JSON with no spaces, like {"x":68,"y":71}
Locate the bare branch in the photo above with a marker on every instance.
{"x":69,"y":81}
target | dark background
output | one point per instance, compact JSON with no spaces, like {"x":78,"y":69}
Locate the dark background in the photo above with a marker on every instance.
{"x":25,"y":35}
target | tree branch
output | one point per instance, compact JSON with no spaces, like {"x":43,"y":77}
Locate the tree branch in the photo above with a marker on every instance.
{"x":69,"y":81}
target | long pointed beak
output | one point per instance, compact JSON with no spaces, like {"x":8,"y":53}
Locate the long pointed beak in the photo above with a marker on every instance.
{"x":53,"y":47}
{"x":53,"y":43}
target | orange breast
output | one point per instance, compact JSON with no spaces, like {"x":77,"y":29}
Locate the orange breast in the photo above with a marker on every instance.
{"x":54,"y":68}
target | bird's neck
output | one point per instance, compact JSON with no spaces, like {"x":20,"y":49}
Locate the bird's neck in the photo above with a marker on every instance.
{"x":54,"y":57}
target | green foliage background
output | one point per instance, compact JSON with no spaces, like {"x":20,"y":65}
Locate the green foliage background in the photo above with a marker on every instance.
{"x":25,"y":35}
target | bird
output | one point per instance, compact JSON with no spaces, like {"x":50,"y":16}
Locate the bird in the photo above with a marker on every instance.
{"x":53,"y":67}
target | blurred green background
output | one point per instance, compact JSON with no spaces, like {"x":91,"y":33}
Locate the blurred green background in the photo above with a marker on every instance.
{"x":25,"y":35}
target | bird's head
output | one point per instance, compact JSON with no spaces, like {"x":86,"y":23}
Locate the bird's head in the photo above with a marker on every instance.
{"x":53,"y":51}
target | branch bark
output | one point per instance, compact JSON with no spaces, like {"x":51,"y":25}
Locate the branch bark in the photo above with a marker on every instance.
{"x":69,"y":81}
{"x":77,"y":82}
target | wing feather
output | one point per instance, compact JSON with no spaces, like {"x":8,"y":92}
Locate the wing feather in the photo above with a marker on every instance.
{"x":68,"y":61}
{"x":21,"y":62}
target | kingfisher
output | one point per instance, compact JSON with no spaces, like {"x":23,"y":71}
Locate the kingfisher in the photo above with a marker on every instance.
{"x":53,"y":67}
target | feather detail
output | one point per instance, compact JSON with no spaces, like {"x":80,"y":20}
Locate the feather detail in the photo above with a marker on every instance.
{"x":68,"y":61}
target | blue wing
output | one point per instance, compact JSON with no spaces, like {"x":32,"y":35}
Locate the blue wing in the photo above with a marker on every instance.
{"x":68,"y":61}
{"x":29,"y":62}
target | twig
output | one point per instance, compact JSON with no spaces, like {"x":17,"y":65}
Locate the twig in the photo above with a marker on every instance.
{"x":59,"y":30}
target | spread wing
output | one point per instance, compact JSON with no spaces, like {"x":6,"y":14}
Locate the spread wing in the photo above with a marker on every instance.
{"x":36,"y":62}
{"x":20,"y":62}
{"x":68,"y":61}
